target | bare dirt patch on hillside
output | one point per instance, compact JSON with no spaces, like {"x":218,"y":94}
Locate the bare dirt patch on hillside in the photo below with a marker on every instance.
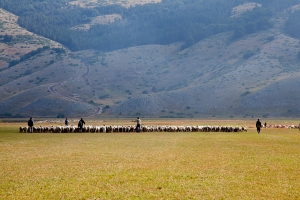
{"x":124,"y":3}
{"x":105,"y":19}
{"x":294,"y":8}
{"x":238,"y":10}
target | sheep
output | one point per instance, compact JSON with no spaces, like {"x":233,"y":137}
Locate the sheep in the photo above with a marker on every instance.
{"x":109,"y":129}
{"x":23,"y":129}
{"x":57,"y":129}
{"x":127,"y":129}
{"x":103,"y":129}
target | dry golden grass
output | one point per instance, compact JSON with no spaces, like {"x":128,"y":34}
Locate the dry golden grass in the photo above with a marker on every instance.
{"x":150,"y":165}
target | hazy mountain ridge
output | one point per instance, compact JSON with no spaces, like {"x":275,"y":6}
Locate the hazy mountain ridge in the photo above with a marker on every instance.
{"x":216,"y":77}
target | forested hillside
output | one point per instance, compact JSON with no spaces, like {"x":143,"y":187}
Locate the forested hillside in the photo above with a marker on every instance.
{"x":160,"y":23}
{"x":293,"y":24}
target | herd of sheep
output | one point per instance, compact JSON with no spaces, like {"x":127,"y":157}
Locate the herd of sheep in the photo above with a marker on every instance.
{"x":127,"y":129}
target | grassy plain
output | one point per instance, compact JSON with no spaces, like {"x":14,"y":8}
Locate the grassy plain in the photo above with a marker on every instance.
{"x":150,"y":165}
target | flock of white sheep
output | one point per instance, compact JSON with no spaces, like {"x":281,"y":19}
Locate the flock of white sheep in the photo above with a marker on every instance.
{"x":128,"y":129}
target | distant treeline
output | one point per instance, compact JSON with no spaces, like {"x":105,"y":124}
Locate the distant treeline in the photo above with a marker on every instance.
{"x":171,"y":21}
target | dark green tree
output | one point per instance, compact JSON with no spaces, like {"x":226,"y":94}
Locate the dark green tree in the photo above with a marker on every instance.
{"x":8,"y":38}
{"x":251,"y":28}
{"x":239,"y":32}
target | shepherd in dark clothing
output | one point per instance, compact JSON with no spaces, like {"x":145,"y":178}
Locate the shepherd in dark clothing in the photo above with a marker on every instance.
{"x":30,"y":125}
{"x":265,"y":124}
{"x":258,"y":126}
{"x":80,"y":124}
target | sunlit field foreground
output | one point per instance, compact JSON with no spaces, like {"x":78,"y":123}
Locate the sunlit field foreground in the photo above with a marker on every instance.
{"x":179,"y":165}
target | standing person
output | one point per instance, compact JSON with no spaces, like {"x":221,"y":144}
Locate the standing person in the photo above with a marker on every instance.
{"x":138,"y":125}
{"x":265,"y":125}
{"x":80,"y":124}
{"x":66,"y":122}
{"x":30,"y":125}
{"x":258,"y":126}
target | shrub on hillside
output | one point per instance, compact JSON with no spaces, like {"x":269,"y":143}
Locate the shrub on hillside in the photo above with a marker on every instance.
{"x":8,"y":38}
{"x":239,"y":32}
{"x":61,"y":115}
{"x":59,"y":50}
{"x":13,"y":63}
{"x":271,"y":38}
{"x":248,"y":54}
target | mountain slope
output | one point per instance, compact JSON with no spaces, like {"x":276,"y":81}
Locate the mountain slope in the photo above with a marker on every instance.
{"x":23,"y":42}
{"x":257,"y":75}
{"x":220,"y":80}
